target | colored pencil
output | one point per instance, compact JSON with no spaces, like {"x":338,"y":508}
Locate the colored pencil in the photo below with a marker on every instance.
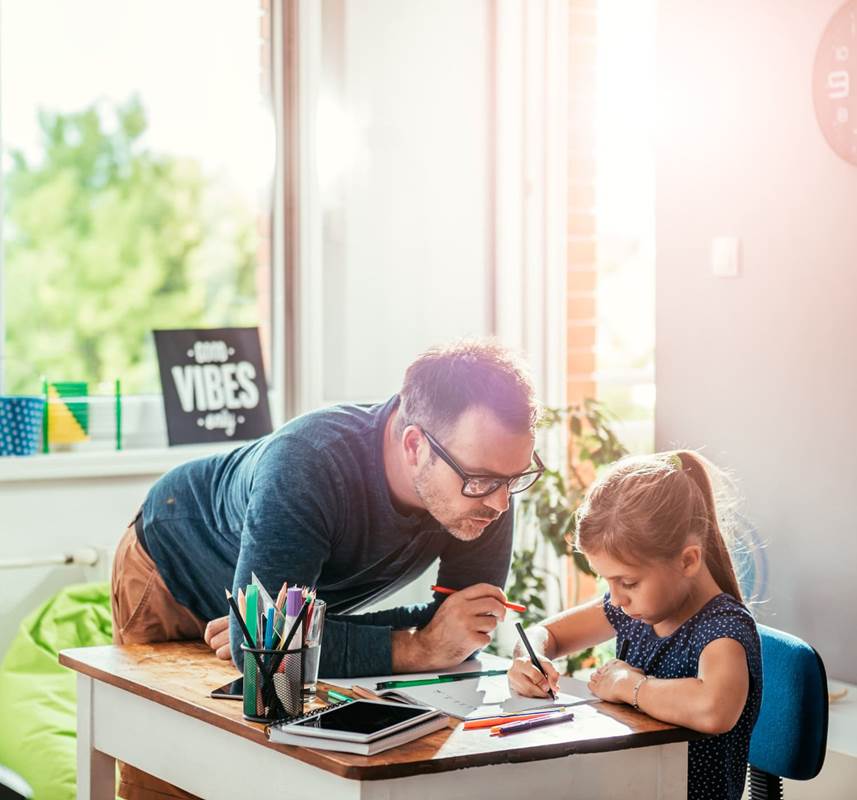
{"x":514,"y":606}
{"x":491,"y":722}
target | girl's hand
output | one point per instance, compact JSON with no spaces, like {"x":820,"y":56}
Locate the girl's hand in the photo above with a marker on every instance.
{"x":614,"y":681}
{"x":526,"y":680}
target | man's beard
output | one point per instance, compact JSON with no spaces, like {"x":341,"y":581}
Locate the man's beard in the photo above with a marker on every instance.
{"x":461,"y":527}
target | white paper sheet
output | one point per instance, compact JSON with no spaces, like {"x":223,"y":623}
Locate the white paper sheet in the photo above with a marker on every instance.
{"x":472,"y":698}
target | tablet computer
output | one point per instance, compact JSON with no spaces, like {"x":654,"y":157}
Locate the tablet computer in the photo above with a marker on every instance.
{"x":360,"y":721}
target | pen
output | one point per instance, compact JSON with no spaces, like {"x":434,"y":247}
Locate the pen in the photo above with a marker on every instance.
{"x":533,"y":658}
{"x":623,"y":649}
{"x":454,"y":676}
{"x":514,"y":606}
{"x":525,"y":725}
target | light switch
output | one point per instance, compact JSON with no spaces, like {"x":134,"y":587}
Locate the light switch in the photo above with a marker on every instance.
{"x":725,"y":256}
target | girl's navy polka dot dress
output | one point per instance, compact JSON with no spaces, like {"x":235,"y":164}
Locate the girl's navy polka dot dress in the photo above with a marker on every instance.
{"x":717,"y":766}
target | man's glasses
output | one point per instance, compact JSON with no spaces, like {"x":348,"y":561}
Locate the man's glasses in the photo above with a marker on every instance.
{"x":483,"y":485}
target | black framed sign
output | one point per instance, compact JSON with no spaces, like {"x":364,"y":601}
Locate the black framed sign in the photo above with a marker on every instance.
{"x":213,"y":382}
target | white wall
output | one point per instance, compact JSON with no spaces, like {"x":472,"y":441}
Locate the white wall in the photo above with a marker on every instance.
{"x":403,"y":158}
{"x":43,"y":518}
{"x":760,"y":370}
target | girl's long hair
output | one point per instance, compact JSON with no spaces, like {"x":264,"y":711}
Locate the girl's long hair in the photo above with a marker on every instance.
{"x":647,"y":508}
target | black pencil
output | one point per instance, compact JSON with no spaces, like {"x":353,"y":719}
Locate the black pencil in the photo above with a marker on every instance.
{"x":533,"y":658}
{"x":622,"y":652}
{"x":237,"y":611}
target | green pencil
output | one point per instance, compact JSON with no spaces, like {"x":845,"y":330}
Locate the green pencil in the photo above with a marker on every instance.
{"x":453,"y":676}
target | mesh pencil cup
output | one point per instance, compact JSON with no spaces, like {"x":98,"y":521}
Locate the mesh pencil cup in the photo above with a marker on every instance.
{"x":273,"y":683}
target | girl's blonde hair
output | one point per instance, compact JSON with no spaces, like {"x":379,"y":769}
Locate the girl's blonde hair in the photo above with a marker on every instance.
{"x":646,"y":508}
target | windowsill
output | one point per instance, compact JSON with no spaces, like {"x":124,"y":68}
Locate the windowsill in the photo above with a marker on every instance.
{"x":107,"y":464}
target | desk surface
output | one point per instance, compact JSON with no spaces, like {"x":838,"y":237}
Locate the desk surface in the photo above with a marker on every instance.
{"x":180,"y":675}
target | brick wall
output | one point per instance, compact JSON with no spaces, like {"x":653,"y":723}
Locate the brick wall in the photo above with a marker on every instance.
{"x":582,"y":244}
{"x":582,"y":240}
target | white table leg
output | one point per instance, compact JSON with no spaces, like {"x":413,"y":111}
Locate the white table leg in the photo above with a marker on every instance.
{"x":96,"y":771}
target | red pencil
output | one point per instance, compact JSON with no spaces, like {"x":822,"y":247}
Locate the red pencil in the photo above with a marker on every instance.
{"x":514,"y":606}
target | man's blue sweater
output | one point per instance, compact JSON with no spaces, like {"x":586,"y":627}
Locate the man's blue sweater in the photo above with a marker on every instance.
{"x":309,"y":504}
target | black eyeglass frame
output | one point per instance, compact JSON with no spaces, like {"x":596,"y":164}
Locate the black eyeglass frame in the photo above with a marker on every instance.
{"x":469,"y":476}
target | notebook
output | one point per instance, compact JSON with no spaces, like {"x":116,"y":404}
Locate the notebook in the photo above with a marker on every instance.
{"x":361,"y":726}
{"x":479,"y":697}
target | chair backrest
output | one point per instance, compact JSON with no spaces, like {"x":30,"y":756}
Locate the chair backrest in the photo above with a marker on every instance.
{"x":790,"y":737}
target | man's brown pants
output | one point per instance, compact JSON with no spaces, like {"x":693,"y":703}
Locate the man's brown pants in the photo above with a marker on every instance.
{"x":144,"y":611}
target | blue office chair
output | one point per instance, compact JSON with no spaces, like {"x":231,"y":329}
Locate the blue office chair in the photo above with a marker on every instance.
{"x":790,"y":737}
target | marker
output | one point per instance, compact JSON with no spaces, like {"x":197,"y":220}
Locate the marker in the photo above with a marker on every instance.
{"x":294,"y":601}
{"x":514,"y":606}
{"x":295,"y":632}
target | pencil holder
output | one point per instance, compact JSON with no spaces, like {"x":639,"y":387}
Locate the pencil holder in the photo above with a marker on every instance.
{"x":20,"y":425}
{"x":273,"y":683}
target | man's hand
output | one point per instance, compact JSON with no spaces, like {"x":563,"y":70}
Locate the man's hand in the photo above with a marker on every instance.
{"x":463,"y":623}
{"x":217,"y":637}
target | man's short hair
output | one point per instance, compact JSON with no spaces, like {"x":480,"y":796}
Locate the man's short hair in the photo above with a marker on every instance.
{"x":444,"y":382}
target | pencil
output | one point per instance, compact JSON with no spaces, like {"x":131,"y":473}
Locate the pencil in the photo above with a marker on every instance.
{"x":281,"y":597}
{"x":536,"y":663}
{"x":514,"y":606}
{"x":242,"y":604}
{"x":528,"y":724}
{"x":364,"y":693}
{"x":492,"y":722}
{"x":622,"y":652}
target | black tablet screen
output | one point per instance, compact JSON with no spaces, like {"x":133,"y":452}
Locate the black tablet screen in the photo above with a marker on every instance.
{"x":362,"y":716}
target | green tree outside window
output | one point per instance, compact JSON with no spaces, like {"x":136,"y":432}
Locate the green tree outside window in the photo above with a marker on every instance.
{"x":105,"y":240}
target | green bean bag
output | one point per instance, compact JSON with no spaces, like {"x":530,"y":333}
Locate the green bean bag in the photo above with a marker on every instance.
{"x":38,"y":697}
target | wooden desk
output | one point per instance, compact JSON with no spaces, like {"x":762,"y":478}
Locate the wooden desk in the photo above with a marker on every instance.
{"x":148,"y":705}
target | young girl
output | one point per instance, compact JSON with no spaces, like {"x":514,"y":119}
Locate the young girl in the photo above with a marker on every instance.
{"x":691,"y":651}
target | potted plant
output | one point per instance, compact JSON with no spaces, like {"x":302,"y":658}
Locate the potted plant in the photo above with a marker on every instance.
{"x":546,"y":514}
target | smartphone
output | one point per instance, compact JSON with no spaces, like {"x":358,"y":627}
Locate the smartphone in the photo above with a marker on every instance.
{"x":229,"y":691}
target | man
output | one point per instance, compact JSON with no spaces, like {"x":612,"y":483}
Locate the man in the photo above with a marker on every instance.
{"x":357,"y":501}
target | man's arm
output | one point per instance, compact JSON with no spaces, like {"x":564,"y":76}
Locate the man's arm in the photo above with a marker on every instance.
{"x":461,"y":624}
{"x":287,"y":536}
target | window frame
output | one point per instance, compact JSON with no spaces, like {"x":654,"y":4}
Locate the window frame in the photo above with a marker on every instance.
{"x":151,"y":441}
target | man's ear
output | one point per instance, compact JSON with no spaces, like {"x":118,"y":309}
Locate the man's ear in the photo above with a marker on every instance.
{"x":691,"y":560}
{"x":412,"y":443}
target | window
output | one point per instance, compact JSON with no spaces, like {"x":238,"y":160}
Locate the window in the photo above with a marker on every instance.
{"x":625,"y":214}
{"x":137,"y":174}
